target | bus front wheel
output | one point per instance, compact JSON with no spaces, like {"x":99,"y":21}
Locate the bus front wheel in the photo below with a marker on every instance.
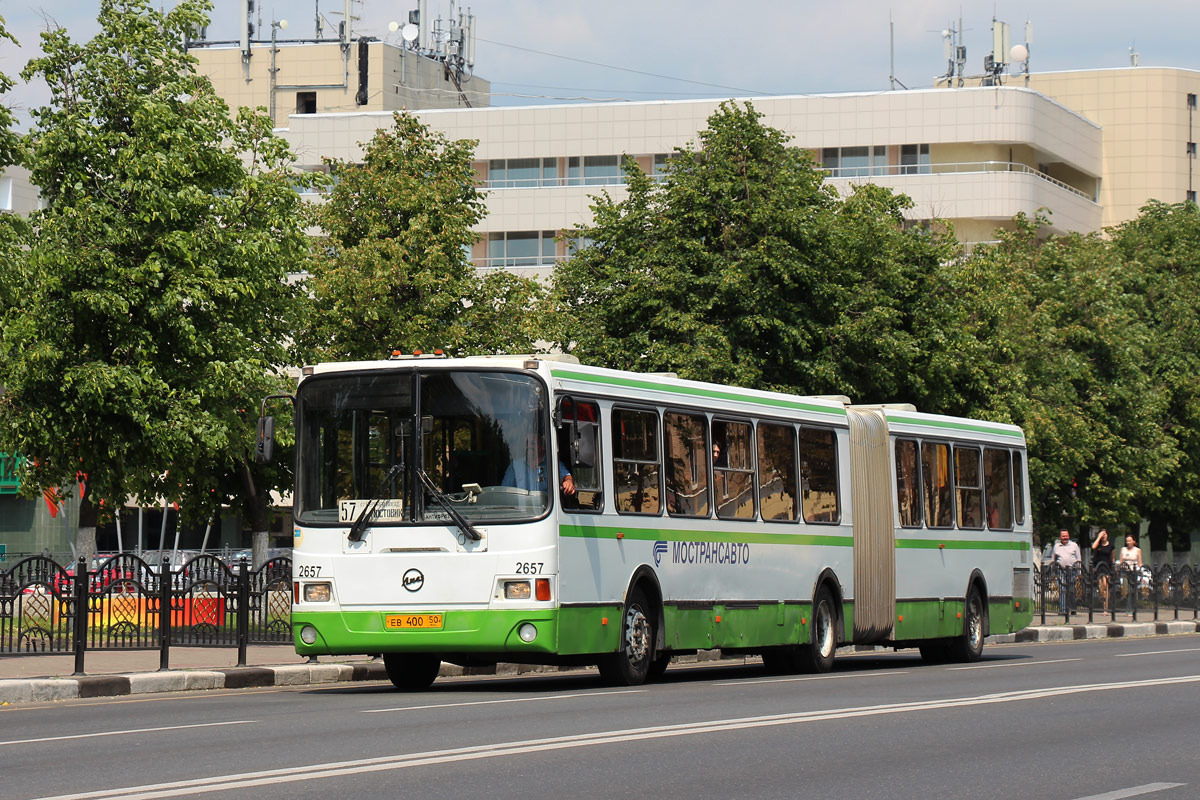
{"x":411,"y":672}
{"x":630,"y":665}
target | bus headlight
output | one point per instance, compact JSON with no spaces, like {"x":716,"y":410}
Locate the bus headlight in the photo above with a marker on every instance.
{"x":527,"y":632}
{"x":308,"y":634}
{"x":317,"y":593}
{"x":516,"y":590}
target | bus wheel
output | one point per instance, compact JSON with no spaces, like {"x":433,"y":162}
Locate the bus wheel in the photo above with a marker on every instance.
{"x":411,"y":672}
{"x":969,"y":646}
{"x":817,"y":655}
{"x":630,"y":665}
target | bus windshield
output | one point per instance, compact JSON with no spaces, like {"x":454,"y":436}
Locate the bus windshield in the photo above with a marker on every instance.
{"x":479,"y":437}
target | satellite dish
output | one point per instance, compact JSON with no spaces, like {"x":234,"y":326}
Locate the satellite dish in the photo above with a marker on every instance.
{"x":1019,"y":52}
{"x":410,"y":32}
{"x":393,"y":26}
{"x":283,"y":23}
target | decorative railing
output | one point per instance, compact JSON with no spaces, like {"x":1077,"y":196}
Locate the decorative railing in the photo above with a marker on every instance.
{"x":125,"y":603}
{"x":1110,"y":592}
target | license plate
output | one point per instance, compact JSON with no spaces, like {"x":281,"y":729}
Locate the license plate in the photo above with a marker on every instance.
{"x":414,"y":621}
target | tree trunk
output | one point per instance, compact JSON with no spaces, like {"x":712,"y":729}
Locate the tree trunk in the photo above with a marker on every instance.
{"x":258,"y":517}
{"x":1159,"y":532}
{"x":85,"y":534}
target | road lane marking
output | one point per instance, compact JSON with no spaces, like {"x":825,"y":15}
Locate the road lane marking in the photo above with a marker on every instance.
{"x":1018,"y":664}
{"x":1158,"y":652}
{"x":340,"y":769}
{"x":125,"y":731}
{"x":496,"y":702}
{"x":752,"y":682}
{"x":1133,"y":791}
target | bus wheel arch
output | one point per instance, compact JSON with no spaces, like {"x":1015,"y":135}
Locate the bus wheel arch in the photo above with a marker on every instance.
{"x":979,"y":584}
{"x":829,"y":581}
{"x":644,"y":578}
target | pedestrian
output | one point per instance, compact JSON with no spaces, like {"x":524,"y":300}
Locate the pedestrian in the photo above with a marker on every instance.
{"x":1066,"y":559}
{"x":1102,"y":560}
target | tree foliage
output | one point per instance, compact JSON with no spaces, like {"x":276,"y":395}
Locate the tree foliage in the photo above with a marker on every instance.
{"x":150,"y":309}
{"x":741,"y":266}
{"x":392,"y":270}
{"x":1160,"y":253}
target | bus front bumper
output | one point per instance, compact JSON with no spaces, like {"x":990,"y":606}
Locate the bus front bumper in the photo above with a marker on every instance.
{"x":463,"y":631}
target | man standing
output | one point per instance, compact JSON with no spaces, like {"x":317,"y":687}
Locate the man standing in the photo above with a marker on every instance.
{"x":1066,"y":559}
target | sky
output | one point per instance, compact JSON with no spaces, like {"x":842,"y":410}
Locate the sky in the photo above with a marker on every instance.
{"x":544,"y":51}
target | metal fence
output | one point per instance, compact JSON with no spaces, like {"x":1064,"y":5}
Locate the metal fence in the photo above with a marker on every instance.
{"x":1107,"y":592}
{"x":126,"y":603}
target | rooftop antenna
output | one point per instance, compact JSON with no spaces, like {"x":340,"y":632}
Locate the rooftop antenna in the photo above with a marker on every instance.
{"x":891,"y":52}
{"x":1020,"y":52}
{"x":1134,"y":55}
{"x":995,"y":62}
{"x":955,"y":54}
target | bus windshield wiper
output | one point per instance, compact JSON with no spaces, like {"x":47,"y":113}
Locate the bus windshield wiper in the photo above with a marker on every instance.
{"x":359,"y":529}
{"x":459,"y":520}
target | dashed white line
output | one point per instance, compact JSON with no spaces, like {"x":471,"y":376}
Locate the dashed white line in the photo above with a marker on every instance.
{"x":1018,"y":664}
{"x":125,"y":731}
{"x":1133,"y":791}
{"x":889,"y":673}
{"x":1159,"y":652}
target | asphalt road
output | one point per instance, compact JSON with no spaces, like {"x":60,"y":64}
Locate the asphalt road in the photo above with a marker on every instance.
{"x":1092,"y":719}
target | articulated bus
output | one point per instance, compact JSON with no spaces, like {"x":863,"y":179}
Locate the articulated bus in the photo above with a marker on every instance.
{"x":531,"y":509}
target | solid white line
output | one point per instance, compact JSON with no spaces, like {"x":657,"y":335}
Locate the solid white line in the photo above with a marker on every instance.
{"x":1133,"y":791}
{"x":1159,"y":652}
{"x":1018,"y":664}
{"x":495,"y":702}
{"x":246,"y":780}
{"x":889,"y":673}
{"x":125,"y":731}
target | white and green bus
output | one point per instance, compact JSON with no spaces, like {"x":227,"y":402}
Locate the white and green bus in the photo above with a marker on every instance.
{"x":530,"y":509}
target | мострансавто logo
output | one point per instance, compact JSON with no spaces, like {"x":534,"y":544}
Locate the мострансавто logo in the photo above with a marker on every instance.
{"x":732,"y":553}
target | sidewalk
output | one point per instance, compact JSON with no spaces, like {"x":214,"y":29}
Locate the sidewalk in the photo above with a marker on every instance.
{"x":38,"y":678}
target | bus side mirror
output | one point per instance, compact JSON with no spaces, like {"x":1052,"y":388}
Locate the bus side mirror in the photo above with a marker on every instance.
{"x":583,"y":449}
{"x":264,"y":451}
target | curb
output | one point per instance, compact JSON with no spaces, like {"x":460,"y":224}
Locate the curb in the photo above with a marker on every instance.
{"x":38,"y":690}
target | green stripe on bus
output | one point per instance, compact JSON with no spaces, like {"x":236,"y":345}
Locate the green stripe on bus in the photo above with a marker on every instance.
{"x":958,"y":544}
{"x":717,"y":394}
{"x":740,"y":537}
{"x":956,"y":426}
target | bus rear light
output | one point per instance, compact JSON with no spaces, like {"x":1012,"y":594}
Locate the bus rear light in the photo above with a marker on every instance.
{"x":516,"y":590}
{"x":317,"y":592}
{"x":542,"y":588}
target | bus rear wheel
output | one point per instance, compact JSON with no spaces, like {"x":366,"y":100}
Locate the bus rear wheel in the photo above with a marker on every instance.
{"x":411,"y":672}
{"x":630,"y":665}
{"x":817,"y":655}
{"x":969,"y":646}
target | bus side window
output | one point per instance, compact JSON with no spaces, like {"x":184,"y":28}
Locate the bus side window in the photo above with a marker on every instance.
{"x":1018,"y":473}
{"x":969,"y":487}
{"x":733,"y":469}
{"x":908,"y":483}
{"x":582,"y":418}
{"x":777,"y":471}
{"x":997,"y":484}
{"x":635,"y":461}
{"x":819,"y":475}
{"x":936,"y":485}
{"x":685,"y":464}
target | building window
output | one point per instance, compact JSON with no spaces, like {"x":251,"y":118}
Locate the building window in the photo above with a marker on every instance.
{"x":1191,"y":196}
{"x":914,"y":159}
{"x":660,"y":164}
{"x":594,"y":171}
{"x":854,"y":162}
{"x":1191,"y":100}
{"x":306,"y":102}
{"x":515,"y":173}
{"x":520,"y":249}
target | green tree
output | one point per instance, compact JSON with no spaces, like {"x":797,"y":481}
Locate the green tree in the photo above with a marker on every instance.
{"x":1048,"y":337}
{"x":1160,"y":251}
{"x":742,"y":266}
{"x":392,"y":270}
{"x":151,"y":307}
